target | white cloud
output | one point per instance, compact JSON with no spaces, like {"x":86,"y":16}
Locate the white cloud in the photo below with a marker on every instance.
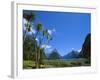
{"x":24,"y":27}
{"x":24,"y":21}
{"x":50,"y":32}
{"x":79,"y":50}
{"x":46,"y":46}
{"x":37,"y":39}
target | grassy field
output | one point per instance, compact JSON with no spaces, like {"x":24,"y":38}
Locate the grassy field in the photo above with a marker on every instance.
{"x":28,"y":64}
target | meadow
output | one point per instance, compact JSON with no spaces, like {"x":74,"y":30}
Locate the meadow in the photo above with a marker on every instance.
{"x":29,"y":64}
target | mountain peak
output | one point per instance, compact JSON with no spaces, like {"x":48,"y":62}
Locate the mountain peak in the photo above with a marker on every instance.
{"x":72,"y":54}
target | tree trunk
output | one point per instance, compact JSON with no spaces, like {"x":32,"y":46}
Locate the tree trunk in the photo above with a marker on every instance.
{"x":36,"y":56}
{"x":39,"y":58}
{"x":37,"y":61}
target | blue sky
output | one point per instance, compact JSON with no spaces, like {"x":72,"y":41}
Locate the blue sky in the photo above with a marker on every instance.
{"x":70,"y":29}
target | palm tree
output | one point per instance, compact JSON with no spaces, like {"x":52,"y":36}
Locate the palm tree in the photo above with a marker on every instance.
{"x":39,"y":29}
{"x":45,"y":34}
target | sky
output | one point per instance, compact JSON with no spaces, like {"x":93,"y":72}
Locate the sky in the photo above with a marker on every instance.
{"x":68,"y":29}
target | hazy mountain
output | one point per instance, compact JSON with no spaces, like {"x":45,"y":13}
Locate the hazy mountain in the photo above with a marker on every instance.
{"x":54,"y":55}
{"x":70,"y":55}
{"x":47,"y":55}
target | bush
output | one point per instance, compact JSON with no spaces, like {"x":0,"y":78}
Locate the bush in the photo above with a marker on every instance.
{"x":76,"y":63}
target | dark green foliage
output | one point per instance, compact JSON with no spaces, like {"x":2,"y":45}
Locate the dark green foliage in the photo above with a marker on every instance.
{"x":39,"y":27}
{"x":28,"y":15}
{"x":42,"y":53}
{"x":76,"y":63}
{"x":28,"y":49}
{"x":28,"y":26}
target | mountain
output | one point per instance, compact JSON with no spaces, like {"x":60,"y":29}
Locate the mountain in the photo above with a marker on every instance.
{"x":54,"y":55}
{"x":86,"y":47}
{"x":70,"y":55}
{"x":84,"y":53}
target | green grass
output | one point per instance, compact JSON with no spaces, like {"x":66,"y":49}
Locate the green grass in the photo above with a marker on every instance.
{"x":28,"y":64}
